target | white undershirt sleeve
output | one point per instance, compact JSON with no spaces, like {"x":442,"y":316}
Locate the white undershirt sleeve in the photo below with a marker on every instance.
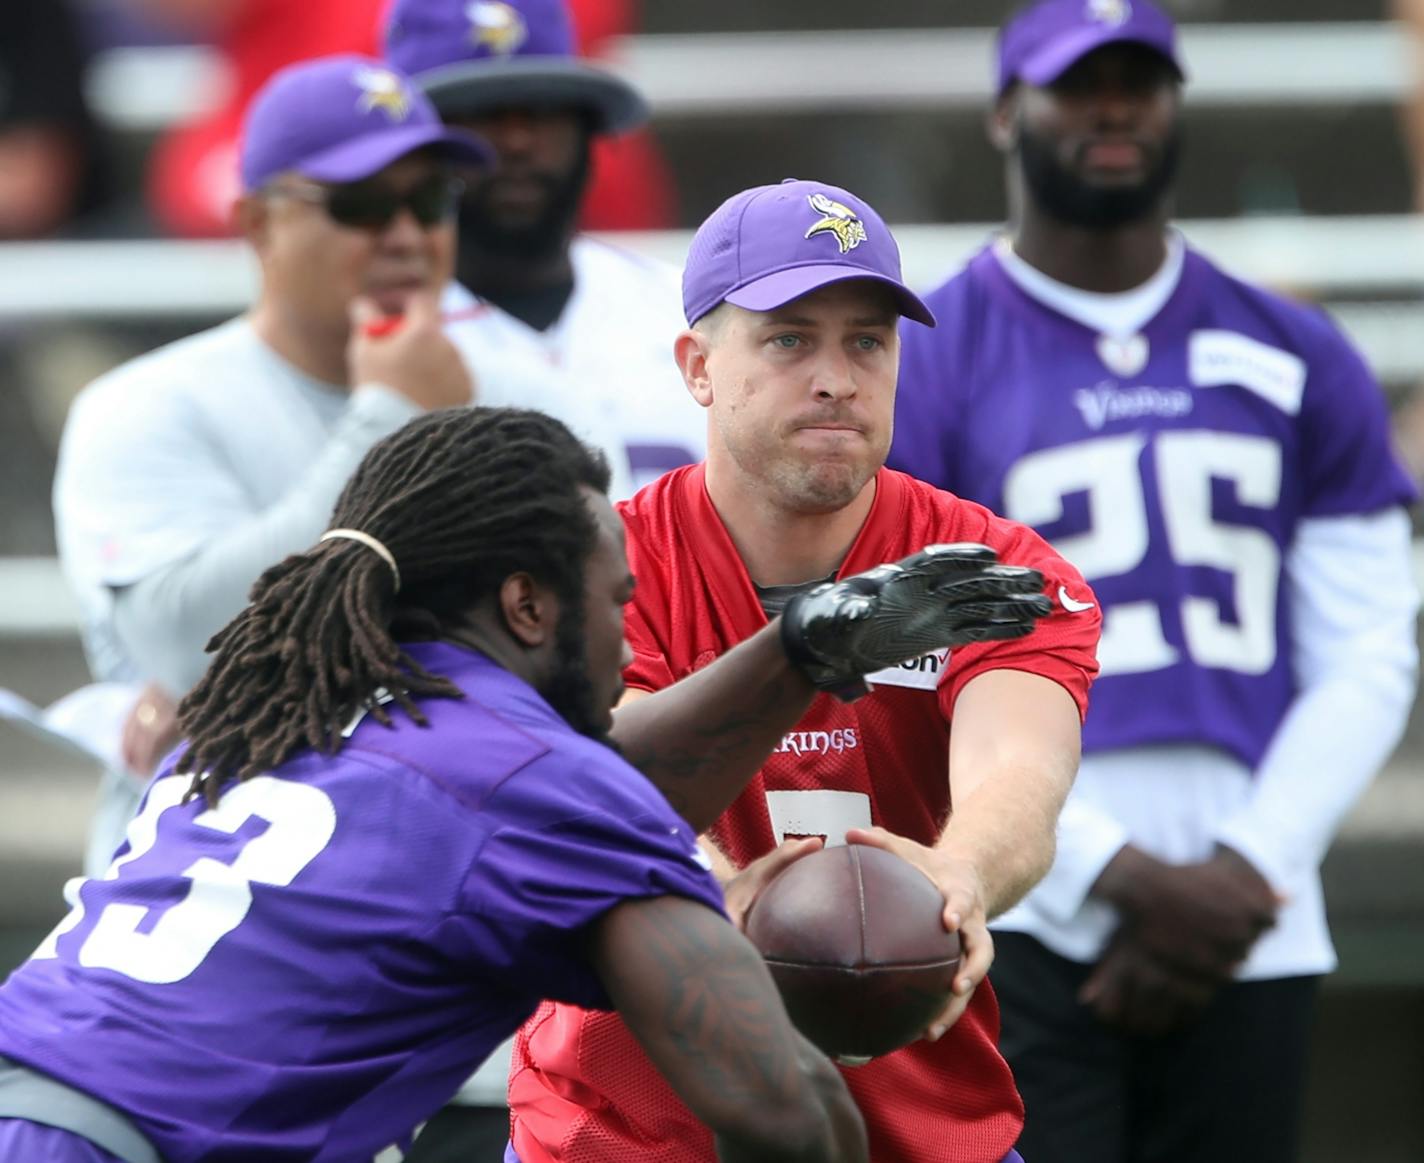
{"x":1353,"y":601}
{"x":166,"y":618}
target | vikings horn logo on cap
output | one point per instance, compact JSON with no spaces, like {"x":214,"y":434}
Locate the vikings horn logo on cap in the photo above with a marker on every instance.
{"x":837,"y":219}
{"x":382,"y":89}
{"x":1113,"y":13}
{"x":497,"y":26}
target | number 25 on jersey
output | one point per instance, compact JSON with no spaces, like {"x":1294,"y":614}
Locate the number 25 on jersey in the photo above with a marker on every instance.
{"x":1111,"y":471}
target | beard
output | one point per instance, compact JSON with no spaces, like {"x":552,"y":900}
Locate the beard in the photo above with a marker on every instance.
{"x":568,"y":689}
{"x":1064,"y":196}
{"x":483,"y":233}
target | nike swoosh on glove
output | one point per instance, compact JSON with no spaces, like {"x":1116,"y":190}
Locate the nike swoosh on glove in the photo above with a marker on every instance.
{"x":942,"y":596}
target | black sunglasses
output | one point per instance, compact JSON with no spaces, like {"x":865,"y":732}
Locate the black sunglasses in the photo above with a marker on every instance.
{"x":373,"y":205}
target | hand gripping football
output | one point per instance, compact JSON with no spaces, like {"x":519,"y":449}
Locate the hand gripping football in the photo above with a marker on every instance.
{"x":942,"y":596}
{"x":856,"y":943}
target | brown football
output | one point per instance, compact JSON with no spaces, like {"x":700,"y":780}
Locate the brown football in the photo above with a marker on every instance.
{"x":854,"y":940}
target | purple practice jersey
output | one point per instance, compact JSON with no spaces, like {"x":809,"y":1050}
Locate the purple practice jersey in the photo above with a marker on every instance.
{"x":1171,"y":467}
{"x":313,"y":967}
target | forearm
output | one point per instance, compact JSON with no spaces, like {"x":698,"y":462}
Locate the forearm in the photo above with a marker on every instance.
{"x":701,"y":739}
{"x":1353,"y":605}
{"x":1088,"y":841}
{"x":1005,"y":830}
{"x":1013,"y":755}
{"x":1129,"y":881}
{"x":700,"y":1001}
{"x":834,"y":1132}
{"x":166,"y":619}
{"x":1326,"y":752}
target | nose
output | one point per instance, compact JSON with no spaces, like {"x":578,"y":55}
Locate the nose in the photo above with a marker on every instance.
{"x":834,"y":377}
{"x":1116,"y":108}
{"x":511,"y":132}
{"x":403,"y":233}
{"x":1117,"y":102}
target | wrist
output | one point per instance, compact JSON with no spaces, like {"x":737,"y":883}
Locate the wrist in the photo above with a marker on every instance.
{"x":845,"y":686}
{"x":1126,"y":878}
{"x":1240,"y":866}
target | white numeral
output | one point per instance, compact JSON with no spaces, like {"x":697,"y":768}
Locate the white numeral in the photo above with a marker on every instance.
{"x":301,"y":820}
{"x":1110,"y":470}
{"x":141,"y":834}
{"x":1186,"y":464}
{"x":818,"y":812}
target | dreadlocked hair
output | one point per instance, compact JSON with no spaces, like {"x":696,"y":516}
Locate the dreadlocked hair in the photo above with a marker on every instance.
{"x":462,"y":498}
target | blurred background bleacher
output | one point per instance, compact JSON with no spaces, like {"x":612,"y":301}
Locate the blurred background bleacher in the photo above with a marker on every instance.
{"x":1299,"y":173}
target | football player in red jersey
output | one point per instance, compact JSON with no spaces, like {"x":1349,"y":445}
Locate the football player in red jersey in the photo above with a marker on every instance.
{"x":793,"y":294}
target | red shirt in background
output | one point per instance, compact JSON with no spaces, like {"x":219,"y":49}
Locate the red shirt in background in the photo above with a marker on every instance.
{"x":631,"y":188}
{"x":193,"y":173}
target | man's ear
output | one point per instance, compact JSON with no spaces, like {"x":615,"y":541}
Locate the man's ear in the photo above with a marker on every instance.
{"x":691,"y":349}
{"x":1002,"y":123}
{"x":530,"y":610}
{"x":252,"y":218}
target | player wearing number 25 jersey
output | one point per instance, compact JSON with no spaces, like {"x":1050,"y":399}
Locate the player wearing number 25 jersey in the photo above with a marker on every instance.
{"x":797,"y":365}
{"x":1173,"y":468}
{"x":1216,"y":460}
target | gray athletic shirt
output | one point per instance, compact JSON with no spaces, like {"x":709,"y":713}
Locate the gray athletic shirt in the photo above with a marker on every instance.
{"x":186,"y":472}
{"x":183,"y":475}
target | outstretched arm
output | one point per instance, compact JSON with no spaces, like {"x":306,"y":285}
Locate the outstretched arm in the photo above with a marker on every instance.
{"x":701,"y":739}
{"x":1013,"y":754}
{"x":699,"y":999}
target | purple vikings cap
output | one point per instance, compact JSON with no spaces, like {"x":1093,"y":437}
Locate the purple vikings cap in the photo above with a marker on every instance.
{"x":1041,"y":43}
{"x":340,"y":119}
{"x":474,"y":55}
{"x":768,"y":245}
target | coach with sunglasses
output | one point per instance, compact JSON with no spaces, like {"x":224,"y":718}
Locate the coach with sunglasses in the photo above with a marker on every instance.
{"x":186,"y":472}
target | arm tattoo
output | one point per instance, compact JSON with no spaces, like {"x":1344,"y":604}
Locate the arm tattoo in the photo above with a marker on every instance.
{"x":734,"y":744}
{"x":715,"y":1006}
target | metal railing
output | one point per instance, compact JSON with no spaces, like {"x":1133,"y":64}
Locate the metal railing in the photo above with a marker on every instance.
{"x":716,"y":74}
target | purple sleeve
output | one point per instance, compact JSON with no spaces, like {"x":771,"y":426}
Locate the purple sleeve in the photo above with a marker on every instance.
{"x":568,"y":847}
{"x":926,"y":418}
{"x":1348,"y":463}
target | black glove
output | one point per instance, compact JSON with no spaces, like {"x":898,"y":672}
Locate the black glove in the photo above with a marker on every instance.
{"x":943,"y":596}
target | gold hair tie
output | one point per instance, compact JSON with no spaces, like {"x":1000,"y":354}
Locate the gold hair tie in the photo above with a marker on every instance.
{"x":370,"y":543}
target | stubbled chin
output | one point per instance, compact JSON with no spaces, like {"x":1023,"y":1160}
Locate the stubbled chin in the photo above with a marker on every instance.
{"x":826,"y":487}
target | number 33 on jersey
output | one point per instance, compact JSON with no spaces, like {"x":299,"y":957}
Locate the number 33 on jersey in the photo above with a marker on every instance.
{"x":161,"y":946}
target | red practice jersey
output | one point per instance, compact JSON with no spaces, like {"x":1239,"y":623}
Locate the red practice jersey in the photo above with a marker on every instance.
{"x":581,"y":1090}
